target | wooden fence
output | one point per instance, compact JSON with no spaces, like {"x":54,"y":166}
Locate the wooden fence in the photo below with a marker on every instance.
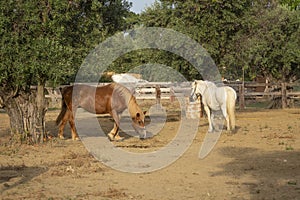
{"x":168,"y":90}
{"x":284,"y":92}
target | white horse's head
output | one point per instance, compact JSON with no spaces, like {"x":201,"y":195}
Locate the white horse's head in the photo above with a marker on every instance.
{"x":198,"y":89}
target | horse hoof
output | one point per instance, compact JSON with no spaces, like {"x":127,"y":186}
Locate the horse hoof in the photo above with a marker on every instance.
{"x":146,"y":136}
{"x":110,"y":137}
{"x":231,"y":131}
{"x":61,"y":137}
{"x":76,"y":139}
{"x":143,"y":137}
{"x":119,"y":139}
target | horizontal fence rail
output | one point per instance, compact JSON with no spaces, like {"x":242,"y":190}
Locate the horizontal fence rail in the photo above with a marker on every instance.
{"x":168,"y":90}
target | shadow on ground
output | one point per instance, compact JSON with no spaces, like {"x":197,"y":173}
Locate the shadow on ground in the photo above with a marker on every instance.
{"x":13,"y":176}
{"x":275,"y":174}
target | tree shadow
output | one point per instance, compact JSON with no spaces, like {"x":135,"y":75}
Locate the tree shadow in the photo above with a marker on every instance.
{"x":12,"y":176}
{"x":273,"y":175}
{"x":106,"y":123}
{"x":52,"y":129}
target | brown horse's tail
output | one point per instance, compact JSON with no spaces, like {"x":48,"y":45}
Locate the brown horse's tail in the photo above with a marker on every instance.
{"x":63,"y":109}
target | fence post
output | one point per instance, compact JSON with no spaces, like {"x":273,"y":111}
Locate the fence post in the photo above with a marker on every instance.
{"x":172,"y":94}
{"x":283,"y":95}
{"x":158,"y":94}
{"x":242,"y":96}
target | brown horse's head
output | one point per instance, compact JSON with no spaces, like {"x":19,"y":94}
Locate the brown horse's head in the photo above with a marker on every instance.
{"x":138,"y":123}
{"x":122,"y":97}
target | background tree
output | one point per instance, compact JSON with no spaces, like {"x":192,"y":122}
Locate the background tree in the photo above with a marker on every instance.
{"x":245,"y":38}
{"x":236,"y":34}
{"x":268,"y":44}
{"x":44,"y":42}
{"x":212,"y":23}
{"x":291,"y":4}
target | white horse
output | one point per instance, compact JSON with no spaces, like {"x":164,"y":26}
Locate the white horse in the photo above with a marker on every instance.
{"x":214,"y":99}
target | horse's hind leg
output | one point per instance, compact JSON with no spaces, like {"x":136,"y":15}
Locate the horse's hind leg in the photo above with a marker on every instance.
{"x":232,"y":118}
{"x":228,"y":123}
{"x":72,"y":125}
{"x":226,"y":116}
{"x":62,"y":125}
{"x":73,"y":130}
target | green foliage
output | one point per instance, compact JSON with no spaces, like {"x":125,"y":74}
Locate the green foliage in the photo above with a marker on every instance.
{"x":31,"y":47}
{"x":46,"y":41}
{"x":269,"y":46}
{"x":291,"y":4}
{"x":255,"y":37}
{"x":211,"y":23}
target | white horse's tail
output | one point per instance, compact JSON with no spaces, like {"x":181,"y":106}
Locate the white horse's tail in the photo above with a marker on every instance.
{"x":231,"y":98}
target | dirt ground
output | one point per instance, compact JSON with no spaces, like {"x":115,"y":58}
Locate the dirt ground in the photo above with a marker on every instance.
{"x":260,"y":161}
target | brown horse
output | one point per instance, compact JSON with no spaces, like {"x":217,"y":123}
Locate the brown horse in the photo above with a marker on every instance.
{"x":110,"y":99}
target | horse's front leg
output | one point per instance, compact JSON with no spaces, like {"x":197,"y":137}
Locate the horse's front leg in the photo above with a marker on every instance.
{"x":114,"y":133}
{"x":207,"y":111}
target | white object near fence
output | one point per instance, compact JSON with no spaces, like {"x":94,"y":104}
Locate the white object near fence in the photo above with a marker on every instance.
{"x":193,"y":109}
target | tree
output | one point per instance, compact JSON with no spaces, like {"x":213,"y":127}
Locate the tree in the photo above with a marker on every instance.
{"x":211,"y":23}
{"x":241,"y":36}
{"x":269,"y":44}
{"x":291,"y":4}
{"x":44,"y":42}
{"x":245,"y":38}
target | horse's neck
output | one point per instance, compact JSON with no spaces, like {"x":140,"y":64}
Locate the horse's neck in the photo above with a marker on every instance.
{"x":211,"y":85}
{"x":210,"y":88}
{"x":122,"y":93}
{"x":132,"y":106}
{"x":210,"y":96}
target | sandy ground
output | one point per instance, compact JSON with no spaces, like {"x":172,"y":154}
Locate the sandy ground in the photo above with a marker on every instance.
{"x":260,"y":161}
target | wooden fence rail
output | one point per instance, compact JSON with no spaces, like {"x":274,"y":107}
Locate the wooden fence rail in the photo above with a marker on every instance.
{"x":168,"y":90}
{"x":275,"y":91}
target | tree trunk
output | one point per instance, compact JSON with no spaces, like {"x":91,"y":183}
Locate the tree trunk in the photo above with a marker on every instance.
{"x":26,"y":111}
{"x":283,"y":95}
{"x":242,"y":96}
{"x":39,"y":133}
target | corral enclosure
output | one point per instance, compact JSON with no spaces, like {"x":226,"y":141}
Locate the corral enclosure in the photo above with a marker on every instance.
{"x":259,"y":161}
{"x":249,"y":93}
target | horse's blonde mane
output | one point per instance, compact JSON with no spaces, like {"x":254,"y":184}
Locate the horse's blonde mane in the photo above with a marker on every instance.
{"x":122,"y":91}
{"x":131,"y":102}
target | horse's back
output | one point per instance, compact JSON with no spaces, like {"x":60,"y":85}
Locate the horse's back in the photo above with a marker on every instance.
{"x":231,"y":92}
{"x":100,"y":100}
{"x":112,"y":97}
{"x":224,"y":95}
{"x":66,"y":93}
